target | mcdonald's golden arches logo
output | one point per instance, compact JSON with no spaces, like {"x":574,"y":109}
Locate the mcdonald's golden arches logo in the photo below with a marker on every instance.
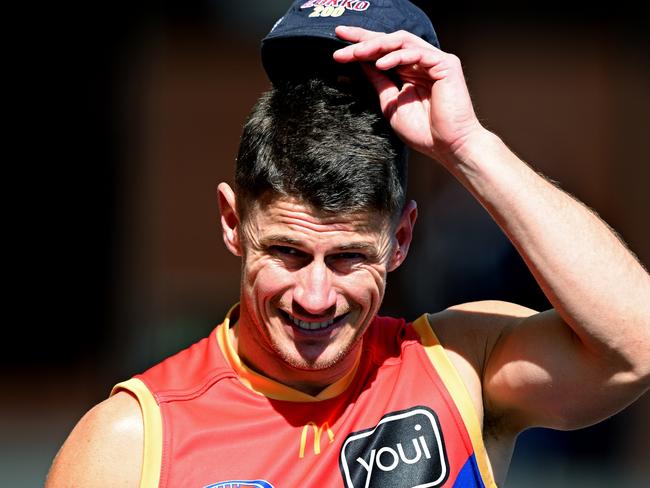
{"x":318,"y":432}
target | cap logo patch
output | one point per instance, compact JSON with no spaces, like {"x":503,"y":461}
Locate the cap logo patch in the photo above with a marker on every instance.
{"x":334,"y":8}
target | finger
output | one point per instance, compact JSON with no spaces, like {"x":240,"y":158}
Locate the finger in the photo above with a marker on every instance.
{"x":379,"y":44}
{"x":355,"y":34}
{"x":359,"y":34}
{"x":414,"y":75}
{"x":422,"y":58}
{"x":386,"y":89}
{"x":369,"y":50}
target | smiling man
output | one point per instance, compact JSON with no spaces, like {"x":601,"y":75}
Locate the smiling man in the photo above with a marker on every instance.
{"x":303,"y":384}
{"x":319,"y":219}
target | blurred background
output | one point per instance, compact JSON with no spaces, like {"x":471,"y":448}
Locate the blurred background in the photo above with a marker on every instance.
{"x":128,"y":115}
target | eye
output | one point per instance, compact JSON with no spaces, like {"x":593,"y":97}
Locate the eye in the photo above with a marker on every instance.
{"x":286,"y":250}
{"x":289,"y":255}
{"x":345,"y":260}
{"x":349,"y":256}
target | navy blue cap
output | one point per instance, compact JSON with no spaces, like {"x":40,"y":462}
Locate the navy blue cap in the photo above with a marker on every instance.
{"x":302,"y":41}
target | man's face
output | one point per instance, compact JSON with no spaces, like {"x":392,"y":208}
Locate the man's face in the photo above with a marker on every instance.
{"x":311,"y":282}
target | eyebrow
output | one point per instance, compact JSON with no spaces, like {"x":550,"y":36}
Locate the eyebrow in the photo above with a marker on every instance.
{"x":365,"y":247}
{"x":279,"y":238}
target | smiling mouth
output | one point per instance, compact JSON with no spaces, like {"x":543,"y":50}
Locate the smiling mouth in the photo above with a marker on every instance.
{"x":309,"y":326}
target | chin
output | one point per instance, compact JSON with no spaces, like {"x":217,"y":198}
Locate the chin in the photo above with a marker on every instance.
{"x":324,"y":360}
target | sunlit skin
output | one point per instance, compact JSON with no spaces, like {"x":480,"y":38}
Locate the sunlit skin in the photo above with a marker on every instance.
{"x":564,"y":368}
{"x":301,"y":264}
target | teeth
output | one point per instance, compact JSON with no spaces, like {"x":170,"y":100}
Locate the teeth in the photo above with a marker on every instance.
{"x":311,"y":325}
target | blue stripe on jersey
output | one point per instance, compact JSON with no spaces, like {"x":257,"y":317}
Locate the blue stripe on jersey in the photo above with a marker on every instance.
{"x":469,"y":476}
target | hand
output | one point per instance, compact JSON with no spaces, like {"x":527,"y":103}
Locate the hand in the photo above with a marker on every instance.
{"x":432,"y":111}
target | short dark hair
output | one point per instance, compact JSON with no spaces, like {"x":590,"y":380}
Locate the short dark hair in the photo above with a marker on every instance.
{"x":325,"y":143}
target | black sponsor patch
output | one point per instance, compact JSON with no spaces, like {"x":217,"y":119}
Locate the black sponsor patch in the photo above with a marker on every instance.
{"x":404,"y":449}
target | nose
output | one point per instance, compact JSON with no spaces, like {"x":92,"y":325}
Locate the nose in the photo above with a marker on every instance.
{"x":314,"y":292}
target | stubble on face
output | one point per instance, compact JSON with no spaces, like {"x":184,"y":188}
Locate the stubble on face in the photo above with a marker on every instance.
{"x":282,"y":239}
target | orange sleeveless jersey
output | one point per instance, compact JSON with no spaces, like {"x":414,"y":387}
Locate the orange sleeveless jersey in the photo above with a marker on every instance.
{"x":401,"y":418}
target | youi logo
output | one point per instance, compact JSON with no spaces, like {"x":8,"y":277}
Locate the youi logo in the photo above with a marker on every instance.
{"x":404,"y":449}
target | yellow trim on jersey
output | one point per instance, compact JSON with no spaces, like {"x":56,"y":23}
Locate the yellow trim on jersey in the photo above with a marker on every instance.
{"x":153,"y":432}
{"x":270,"y":388}
{"x":459,"y":393}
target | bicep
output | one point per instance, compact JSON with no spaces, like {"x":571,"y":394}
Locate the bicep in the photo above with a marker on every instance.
{"x":104,"y":449}
{"x":539,"y":373}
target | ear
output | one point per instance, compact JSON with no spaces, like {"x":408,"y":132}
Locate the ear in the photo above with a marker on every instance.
{"x":403,"y":235}
{"x":230,"y":224}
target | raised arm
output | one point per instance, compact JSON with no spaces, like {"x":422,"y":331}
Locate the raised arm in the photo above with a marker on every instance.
{"x":589,"y":356}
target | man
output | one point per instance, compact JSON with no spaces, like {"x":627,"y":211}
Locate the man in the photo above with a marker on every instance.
{"x":303,"y":384}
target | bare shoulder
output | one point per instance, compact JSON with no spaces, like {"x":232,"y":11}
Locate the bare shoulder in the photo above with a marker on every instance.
{"x":472,"y":328}
{"x":468,"y":333}
{"x":104,"y":449}
{"x":476,"y":324}
{"x":492,"y":309}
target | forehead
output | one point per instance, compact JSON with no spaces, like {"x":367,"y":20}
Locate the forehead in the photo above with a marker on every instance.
{"x":289,"y":214}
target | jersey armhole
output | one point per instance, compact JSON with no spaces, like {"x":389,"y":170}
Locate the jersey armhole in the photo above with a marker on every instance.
{"x":153,"y":438}
{"x":459,"y":393}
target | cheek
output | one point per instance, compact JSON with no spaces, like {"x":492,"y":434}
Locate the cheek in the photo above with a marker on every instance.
{"x":367,"y":285}
{"x":265,"y":277}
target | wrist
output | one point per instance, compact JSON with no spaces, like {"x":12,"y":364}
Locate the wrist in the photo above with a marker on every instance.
{"x":473,"y":142}
{"x":489,"y":169}
{"x":470,"y":153}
